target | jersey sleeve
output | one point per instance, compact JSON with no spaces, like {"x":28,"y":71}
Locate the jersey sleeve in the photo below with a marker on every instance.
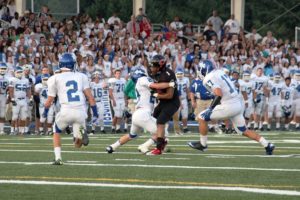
{"x":38,"y":88}
{"x":52,"y":90}
{"x":144,"y":81}
{"x":11,"y":82}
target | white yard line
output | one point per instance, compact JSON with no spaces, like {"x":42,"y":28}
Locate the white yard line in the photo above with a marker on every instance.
{"x":198,"y":153}
{"x":155,"y":166}
{"x":127,"y":159}
{"x":164,"y":158}
{"x":166,"y":187}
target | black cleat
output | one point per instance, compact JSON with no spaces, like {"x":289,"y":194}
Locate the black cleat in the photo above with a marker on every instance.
{"x":57,"y":162}
{"x":270,"y":148}
{"x":197,"y":145}
{"x":109,"y":149}
{"x":186,"y":130}
{"x":268,"y":129}
{"x":113,"y":131}
{"x":125,"y":130}
{"x":68,"y":130}
{"x":262,"y":129}
{"x":118,"y":131}
{"x":102,"y":131}
{"x":85,"y":137}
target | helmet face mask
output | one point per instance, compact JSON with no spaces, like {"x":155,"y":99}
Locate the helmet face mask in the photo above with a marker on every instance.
{"x":179,"y":73}
{"x":19,"y":73}
{"x":44,"y":81}
{"x":3,"y":69}
{"x":137,"y":73}
{"x":277,"y":77}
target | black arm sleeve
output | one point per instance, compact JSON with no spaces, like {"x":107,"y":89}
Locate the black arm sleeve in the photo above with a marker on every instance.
{"x":215,"y":102}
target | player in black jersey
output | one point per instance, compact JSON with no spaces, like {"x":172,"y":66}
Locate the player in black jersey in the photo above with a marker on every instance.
{"x":168,"y":98}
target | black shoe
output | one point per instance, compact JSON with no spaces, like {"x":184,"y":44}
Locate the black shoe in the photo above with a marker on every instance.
{"x":256,"y":129}
{"x":197,"y":145}
{"x":57,"y":162}
{"x":109,"y":149}
{"x":102,"y":131}
{"x":211,"y":129}
{"x":118,"y":131}
{"x":262,"y":129}
{"x":68,"y":130}
{"x":227,"y":131}
{"x":269,"y":149}
{"x":85,"y":137}
{"x":186,"y":130}
{"x":268,"y":129}
{"x":92,"y":132}
{"x":125,"y":130}
{"x":113,"y":131}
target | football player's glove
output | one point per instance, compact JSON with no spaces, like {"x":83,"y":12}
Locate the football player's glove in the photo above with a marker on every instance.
{"x":205,"y":115}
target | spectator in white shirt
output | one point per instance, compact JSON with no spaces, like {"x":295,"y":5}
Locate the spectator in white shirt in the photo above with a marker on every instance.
{"x":233,"y":25}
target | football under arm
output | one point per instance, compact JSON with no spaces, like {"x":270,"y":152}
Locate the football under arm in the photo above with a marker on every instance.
{"x":167,"y":95}
{"x":159,"y":85}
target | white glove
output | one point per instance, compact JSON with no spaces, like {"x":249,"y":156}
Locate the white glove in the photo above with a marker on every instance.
{"x":172,"y":84}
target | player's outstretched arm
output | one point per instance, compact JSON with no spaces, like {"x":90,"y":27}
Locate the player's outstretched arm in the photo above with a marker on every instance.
{"x":167,"y":95}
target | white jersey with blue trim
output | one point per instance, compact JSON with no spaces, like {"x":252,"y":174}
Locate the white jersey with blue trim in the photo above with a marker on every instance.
{"x":69,"y":87}
{"x":97,"y":91}
{"x":143,"y":93}
{"x":260,"y":83}
{"x":42,"y":90}
{"x":182,"y":85}
{"x":218,"y":79}
{"x":248,"y":87}
{"x":4,"y":82}
{"x":118,"y":86}
{"x":275,"y":91}
{"x":20,"y":87}
{"x":288,"y":93}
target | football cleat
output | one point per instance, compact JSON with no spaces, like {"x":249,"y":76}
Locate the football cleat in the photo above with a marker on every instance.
{"x":109,"y":149}
{"x":92,"y":132}
{"x":102,"y":131}
{"x":186,"y":130}
{"x":57,"y":162}
{"x":85,"y":137}
{"x":154,"y":152}
{"x":270,"y":148}
{"x":197,"y":145}
{"x":143,"y":149}
{"x":118,"y":131}
{"x":113,"y":131}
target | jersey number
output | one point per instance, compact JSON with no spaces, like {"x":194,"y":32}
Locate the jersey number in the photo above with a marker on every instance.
{"x":97,"y":92}
{"x":287,"y":95}
{"x":225,"y":77}
{"x":73,"y":88}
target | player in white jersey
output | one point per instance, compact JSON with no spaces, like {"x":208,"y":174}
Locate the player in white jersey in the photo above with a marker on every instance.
{"x":72,"y":89}
{"x":41,"y":89}
{"x":183,"y":85}
{"x":248,"y":86}
{"x":98,"y":88}
{"x":296,"y":84}
{"x":259,"y":93}
{"x":3,"y":90}
{"x":142,"y":117}
{"x":287,"y":102}
{"x":20,"y":93}
{"x":226,"y":105}
{"x":117,"y":97}
{"x":273,"y":101}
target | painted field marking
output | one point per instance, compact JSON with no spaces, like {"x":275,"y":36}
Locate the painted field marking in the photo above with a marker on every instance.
{"x":165,"y":158}
{"x":241,"y":189}
{"x":137,"y":153}
{"x":124,"y":159}
{"x":155,"y":166}
{"x":81,"y":161}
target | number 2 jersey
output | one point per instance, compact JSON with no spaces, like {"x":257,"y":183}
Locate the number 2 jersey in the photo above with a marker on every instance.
{"x":69,"y":87}
{"x":218,"y":79}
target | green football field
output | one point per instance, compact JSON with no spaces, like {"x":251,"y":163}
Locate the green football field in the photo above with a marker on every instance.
{"x":232,"y":168}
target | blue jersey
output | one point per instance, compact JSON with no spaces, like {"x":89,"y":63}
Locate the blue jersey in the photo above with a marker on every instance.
{"x":199,"y":90}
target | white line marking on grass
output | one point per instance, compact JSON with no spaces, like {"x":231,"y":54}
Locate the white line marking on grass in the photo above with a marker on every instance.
{"x":137,"y":153}
{"x":155,"y":166}
{"x":134,"y":186}
{"x":81,"y":161}
{"x":164,"y":158}
{"x":124,"y":159}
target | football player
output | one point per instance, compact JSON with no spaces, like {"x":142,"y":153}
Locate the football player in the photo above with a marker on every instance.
{"x":3,"y":90}
{"x":141,"y":118}
{"x":117,"y":97}
{"x":296,"y":84}
{"x":259,"y":94}
{"x":97,"y":88}
{"x":183,"y":84}
{"x":226,"y":105}
{"x":41,"y":89}
{"x":72,"y":89}
{"x":274,"y":98}
{"x":20,"y":93}
{"x":287,"y":102}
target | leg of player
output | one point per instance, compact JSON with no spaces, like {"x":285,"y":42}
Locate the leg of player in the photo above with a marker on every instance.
{"x":176,"y":123}
{"x":203,"y":130}
{"x":57,"y":148}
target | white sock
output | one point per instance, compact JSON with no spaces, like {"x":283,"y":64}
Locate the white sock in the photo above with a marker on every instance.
{"x":102,"y":128}
{"x":263,"y":142}
{"x":12,"y":129}
{"x":286,"y":126}
{"x":149,"y":143}
{"x":255,"y":125}
{"x":116,"y":145}
{"x":49,"y":129}
{"x":118,"y":126}
{"x":1,"y":127}
{"x":203,"y":140}
{"x":269,"y":126}
{"x":113,"y":127}
{"x":126,"y":126}
{"x":26,"y":129}
{"x":260,"y":125}
{"x":57,"y":152}
{"x":297,"y":125}
{"x":21,"y":129}
{"x":41,"y":129}
{"x":277,"y":125}
{"x":93,"y":127}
